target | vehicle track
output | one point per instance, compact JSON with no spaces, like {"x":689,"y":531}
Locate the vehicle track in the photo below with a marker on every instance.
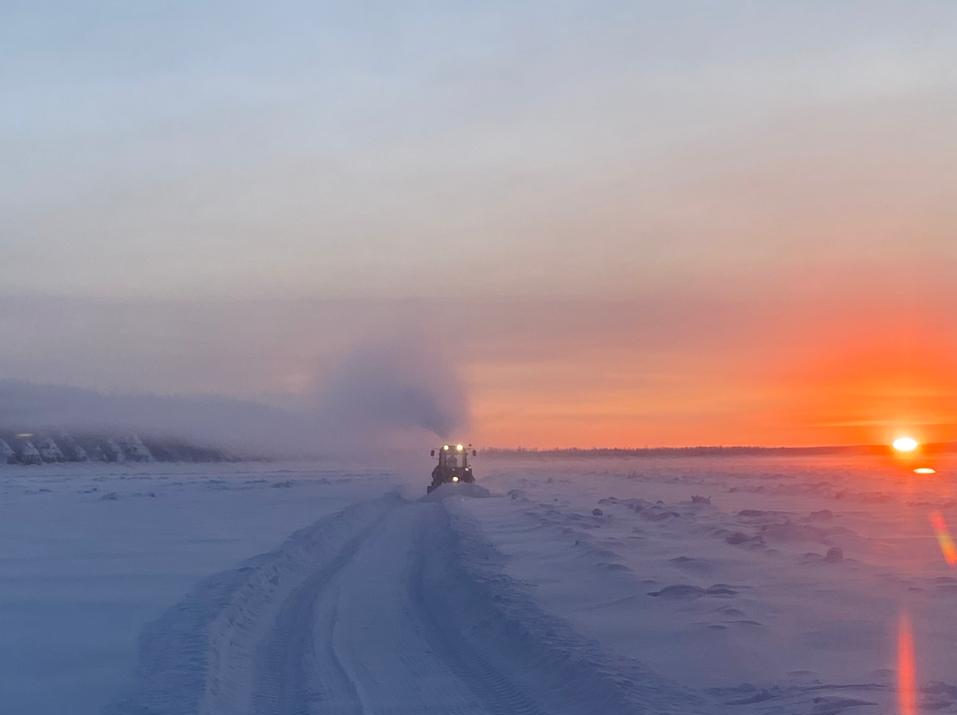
{"x":383,"y":609}
{"x":360,"y":635}
{"x":289,"y":652}
{"x":493,"y":688}
{"x":377,"y":623}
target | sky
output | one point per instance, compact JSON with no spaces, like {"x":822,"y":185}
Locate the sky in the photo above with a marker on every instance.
{"x":621,"y":224}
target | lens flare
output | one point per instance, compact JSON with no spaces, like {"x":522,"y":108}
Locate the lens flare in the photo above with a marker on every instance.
{"x":925,"y":470}
{"x":906,"y":670}
{"x":947,"y":547}
{"x":905,"y":444}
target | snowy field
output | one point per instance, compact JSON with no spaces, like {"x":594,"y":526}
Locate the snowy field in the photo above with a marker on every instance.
{"x":722,"y":585}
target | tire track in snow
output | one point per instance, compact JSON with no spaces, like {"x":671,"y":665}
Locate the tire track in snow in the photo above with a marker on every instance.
{"x":377,"y":633}
{"x":204,"y":656}
{"x":498,"y":694}
{"x":336,"y":687}
{"x":387,"y":607}
{"x":289,"y":651}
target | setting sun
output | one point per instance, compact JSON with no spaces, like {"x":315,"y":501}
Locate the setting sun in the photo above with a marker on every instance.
{"x":905,"y":444}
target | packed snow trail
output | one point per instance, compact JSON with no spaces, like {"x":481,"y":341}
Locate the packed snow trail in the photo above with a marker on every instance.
{"x":390,"y":607}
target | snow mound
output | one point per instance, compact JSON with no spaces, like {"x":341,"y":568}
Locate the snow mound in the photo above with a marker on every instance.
{"x":473,"y":491}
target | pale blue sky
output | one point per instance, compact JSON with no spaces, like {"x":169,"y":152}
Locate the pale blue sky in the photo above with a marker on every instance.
{"x":237,"y":149}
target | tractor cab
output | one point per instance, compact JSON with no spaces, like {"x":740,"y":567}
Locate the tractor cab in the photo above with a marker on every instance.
{"x":453,"y":466}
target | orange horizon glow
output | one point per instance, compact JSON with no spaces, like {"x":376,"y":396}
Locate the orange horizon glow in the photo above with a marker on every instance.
{"x":812,"y":390}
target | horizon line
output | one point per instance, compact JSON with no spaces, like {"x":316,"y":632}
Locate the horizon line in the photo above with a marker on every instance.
{"x":933,"y":447}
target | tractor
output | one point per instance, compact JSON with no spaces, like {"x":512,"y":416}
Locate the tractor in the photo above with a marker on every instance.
{"x":453,"y":466}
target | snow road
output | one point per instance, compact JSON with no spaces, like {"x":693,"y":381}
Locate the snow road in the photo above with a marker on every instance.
{"x":388,"y":606}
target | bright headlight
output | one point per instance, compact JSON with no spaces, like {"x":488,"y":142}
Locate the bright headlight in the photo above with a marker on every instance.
{"x":455,"y":479}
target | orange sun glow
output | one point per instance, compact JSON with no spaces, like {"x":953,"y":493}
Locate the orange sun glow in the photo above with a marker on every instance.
{"x":905,"y":444}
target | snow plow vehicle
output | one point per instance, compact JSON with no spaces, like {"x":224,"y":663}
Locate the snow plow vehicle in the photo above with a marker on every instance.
{"x":453,"y":466}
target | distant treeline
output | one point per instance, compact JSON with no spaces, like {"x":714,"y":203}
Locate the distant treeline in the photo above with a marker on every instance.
{"x":54,"y":447}
{"x":707,"y":451}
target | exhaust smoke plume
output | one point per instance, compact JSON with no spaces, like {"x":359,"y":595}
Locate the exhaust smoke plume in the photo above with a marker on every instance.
{"x":395,"y":385}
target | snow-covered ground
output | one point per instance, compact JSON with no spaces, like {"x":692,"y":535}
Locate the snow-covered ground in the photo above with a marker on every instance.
{"x":89,"y":554}
{"x":744,"y":585}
